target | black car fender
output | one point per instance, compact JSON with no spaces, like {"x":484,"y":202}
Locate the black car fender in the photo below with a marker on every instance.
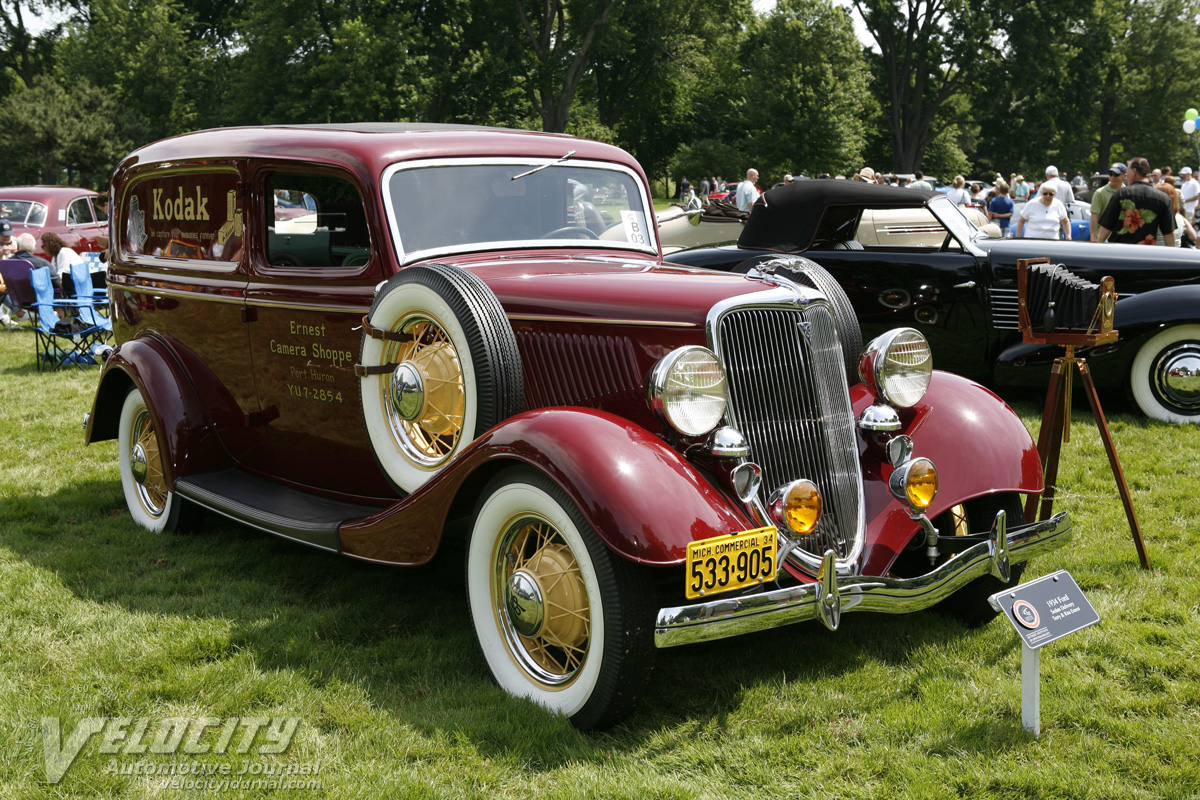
{"x":1136,"y":318}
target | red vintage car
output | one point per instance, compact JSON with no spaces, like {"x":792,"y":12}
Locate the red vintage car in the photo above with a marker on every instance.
{"x":69,"y":211}
{"x":475,"y":326}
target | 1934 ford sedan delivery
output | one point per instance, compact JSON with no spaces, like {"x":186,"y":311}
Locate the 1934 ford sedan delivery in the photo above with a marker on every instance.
{"x":353,"y":336}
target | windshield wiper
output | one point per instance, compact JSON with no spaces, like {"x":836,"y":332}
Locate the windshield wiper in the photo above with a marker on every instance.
{"x":543,"y":166}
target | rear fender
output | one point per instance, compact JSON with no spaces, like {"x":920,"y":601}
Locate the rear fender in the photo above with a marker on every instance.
{"x":643,"y":499}
{"x":978,"y":444}
{"x":178,"y":417}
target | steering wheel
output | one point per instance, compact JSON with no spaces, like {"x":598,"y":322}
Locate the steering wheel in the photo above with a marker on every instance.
{"x":570,"y":232}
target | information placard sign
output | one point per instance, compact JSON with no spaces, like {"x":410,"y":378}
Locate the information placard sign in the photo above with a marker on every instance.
{"x":1046,"y":609}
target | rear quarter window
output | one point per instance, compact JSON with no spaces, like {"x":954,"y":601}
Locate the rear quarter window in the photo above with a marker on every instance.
{"x":195,"y":216}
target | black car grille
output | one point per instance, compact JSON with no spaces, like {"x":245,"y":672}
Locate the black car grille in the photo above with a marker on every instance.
{"x":788,"y":396}
{"x":1004,"y":309}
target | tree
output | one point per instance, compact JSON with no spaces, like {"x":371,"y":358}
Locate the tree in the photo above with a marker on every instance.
{"x":808,"y":90}
{"x":561,"y":39}
{"x":663,"y":73}
{"x":54,"y":135}
{"x":929,"y":51}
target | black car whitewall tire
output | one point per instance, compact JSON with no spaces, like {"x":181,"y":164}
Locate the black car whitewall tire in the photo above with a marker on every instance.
{"x":151,"y":502}
{"x":460,"y":359}
{"x":560,"y":619}
{"x":1154,"y":388}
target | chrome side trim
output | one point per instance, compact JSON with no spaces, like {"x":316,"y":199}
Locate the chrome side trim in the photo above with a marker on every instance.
{"x":654,"y":323}
{"x":717,"y":619}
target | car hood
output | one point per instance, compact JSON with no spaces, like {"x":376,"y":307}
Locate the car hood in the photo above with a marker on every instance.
{"x":1136,"y":268}
{"x":597,"y":287}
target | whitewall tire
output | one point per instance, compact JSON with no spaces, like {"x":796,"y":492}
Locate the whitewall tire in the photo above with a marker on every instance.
{"x":446,"y":370}
{"x":151,"y":502}
{"x":560,"y":619}
{"x":1164,"y":379}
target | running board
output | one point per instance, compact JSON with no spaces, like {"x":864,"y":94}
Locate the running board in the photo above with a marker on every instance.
{"x":271,"y":507}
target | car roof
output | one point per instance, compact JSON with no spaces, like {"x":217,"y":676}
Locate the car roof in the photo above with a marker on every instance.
{"x":42,"y":193}
{"x":788,"y":219}
{"x":372,"y":145}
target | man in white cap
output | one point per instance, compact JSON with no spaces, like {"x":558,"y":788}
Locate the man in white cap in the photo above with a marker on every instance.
{"x":1062,"y":189}
{"x":866,"y":175}
{"x":1190,"y":192}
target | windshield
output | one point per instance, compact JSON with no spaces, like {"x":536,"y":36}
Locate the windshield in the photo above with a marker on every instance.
{"x":955,"y":221}
{"x":459,"y":206}
{"x":23,"y":212}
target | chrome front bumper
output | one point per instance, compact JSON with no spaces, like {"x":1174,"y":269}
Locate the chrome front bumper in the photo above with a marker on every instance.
{"x":832,"y":595}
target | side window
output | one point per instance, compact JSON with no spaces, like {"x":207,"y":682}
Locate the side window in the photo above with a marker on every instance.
{"x":79,"y":212}
{"x":315,"y":220}
{"x":189,"y":215}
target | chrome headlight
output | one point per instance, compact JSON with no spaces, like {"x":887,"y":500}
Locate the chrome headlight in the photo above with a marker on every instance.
{"x":897,"y":366}
{"x":687,"y":390}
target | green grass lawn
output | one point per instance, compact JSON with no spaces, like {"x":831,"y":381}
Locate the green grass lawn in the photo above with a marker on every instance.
{"x":101,"y":619}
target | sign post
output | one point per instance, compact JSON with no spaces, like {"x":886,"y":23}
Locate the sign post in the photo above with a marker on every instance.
{"x":1042,"y":611}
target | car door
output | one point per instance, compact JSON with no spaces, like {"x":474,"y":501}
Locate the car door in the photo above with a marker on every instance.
{"x":83,"y":228}
{"x":312,"y":280}
{"x":937,"y":292}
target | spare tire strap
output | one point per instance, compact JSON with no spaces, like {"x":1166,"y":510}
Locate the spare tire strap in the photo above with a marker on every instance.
{"x":363,"y":370}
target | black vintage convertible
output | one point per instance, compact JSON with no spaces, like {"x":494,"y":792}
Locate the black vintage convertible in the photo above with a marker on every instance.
{"x":962,"y":294}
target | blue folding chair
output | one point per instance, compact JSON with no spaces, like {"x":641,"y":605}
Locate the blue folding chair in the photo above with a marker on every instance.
{"x":81,"y":276}
{"x":69,"y":341}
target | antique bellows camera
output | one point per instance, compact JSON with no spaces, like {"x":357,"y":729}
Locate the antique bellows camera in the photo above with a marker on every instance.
{"x":1058,"y":307}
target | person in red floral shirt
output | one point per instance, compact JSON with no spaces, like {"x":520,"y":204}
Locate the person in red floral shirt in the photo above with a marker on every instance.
{"x":1137,"y":212}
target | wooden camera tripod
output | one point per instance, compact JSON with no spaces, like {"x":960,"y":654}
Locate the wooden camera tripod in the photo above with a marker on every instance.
{"x":1056,"y":417}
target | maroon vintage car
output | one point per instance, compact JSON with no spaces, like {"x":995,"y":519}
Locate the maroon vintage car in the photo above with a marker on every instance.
{"x":69,"y":211}
{"x":456,"y":324}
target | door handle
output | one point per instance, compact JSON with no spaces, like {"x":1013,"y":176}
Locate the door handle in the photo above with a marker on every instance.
{"x":967,"y":285}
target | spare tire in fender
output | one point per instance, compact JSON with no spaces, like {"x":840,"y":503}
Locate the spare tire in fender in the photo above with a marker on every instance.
{"x":439,"y":366}
{"x":811,"y":274}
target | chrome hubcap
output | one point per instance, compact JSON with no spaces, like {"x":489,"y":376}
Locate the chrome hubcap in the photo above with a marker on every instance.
{"x":424,"y":400}
{"x":1177,"y":377}
{"x":407,"y":392}
{"x":523,"y":599}
{"x":145,"y":465}
{"x":137,"y":463}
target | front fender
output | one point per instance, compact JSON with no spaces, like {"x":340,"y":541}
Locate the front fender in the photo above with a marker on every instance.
{"x":179,"y":419}
{"x":643,"y":499}
{"x":978,"y":444}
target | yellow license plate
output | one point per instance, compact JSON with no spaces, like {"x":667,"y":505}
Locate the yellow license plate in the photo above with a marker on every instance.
{"x":725,"y":563}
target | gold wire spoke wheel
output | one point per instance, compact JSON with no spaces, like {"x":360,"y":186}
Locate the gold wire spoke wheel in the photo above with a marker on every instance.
{"x":430,"y":436}
{"x":147,"y":459}
{"x":541,"y":602}
{"x":958,"y":520}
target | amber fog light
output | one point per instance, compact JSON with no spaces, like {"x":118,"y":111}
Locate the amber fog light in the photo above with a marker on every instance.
{"x":915,"y":482}
{"x":798,"y":507}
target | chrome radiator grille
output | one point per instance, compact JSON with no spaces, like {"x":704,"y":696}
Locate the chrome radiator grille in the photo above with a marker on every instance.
{"x":788,"y":395}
